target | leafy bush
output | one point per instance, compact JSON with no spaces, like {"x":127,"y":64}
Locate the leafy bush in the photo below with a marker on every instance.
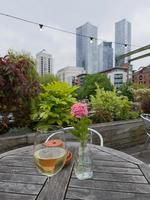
{"x":53,"y":105}
{"x":89,"y":85}
{"x":127,"y":90}
{"x":108,"y":106}
{"x":48,"y":78}
{"x":18,"y":86}
{"x":145,"y":104}
{"x":140,"y":94}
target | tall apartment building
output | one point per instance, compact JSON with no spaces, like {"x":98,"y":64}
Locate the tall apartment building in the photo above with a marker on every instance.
{"x":68,"y":74}
{"x":86,"y":49}
{"x":44,"y":62}
{"x":122,"y":40}
{"x":105,"y":56}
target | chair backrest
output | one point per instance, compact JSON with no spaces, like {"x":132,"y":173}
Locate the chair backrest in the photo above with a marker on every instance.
{"x":91,"y":131}
{"x":146,"y":120}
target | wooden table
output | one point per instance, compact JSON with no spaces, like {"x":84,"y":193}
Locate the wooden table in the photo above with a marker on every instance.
{"x":116,"y":176}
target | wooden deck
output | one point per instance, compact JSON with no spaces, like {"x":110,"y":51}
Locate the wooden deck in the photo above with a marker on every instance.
{"x":116,"y":176}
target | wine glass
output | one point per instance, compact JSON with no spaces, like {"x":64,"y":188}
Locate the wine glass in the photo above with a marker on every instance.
{"x":49,"y":153}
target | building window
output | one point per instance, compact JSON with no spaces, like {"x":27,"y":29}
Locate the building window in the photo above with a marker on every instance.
{"x":41,"y":66}
{"x":118,"y":80}
{"x":49,"y":65}
{"x":140,"y":77}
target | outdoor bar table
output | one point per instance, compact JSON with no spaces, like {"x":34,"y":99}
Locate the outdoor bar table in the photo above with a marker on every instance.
{"x":116,"y":176}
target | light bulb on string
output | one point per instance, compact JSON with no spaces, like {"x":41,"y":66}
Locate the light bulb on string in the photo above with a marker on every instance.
{"x":91,"y":40}
{"x":41,"y":26}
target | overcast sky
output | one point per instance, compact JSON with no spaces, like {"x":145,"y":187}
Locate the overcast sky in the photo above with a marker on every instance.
{"x":69,"y":14}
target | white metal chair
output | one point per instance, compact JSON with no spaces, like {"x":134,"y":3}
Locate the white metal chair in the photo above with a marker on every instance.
{"x":92,"y":131}
{"x":146,"y":121}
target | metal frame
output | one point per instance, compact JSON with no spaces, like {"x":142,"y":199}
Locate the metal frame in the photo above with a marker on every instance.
{"x":70,"y":128}
{"x":146,"y":119}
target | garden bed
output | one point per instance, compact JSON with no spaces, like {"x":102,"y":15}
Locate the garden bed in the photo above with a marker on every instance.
{"x":118,"y":135}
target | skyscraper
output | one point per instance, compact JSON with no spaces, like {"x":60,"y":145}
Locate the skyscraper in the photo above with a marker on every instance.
{"x":122,"y":40}
{"x":86,"y":48}
{"x":105,"y":56}
{"x":44,"y":62}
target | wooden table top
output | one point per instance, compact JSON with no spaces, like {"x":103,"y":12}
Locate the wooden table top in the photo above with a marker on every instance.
{"x":116,"y":176}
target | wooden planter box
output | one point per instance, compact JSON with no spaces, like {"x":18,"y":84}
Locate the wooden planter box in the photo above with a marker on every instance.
{"x":118,"y":135}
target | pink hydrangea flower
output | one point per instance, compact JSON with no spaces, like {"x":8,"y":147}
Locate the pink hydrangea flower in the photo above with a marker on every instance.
{"x":79,"y":110}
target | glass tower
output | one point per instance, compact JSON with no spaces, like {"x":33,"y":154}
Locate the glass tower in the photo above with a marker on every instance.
{"x":86,"y":48}
{"x":122,"y":40}
{"x":105,"y":56}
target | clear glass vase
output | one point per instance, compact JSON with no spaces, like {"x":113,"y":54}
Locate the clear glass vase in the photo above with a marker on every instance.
{"x":84,"y":164}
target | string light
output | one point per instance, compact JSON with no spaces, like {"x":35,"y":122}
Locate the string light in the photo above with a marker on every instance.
{"x":91,"y":40}
{"x":41,"y":26}
{"x":62,"y":30}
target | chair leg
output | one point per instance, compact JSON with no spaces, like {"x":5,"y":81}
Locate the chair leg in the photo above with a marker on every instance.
{"x":146,"y":143}
{"x":145,"y":146}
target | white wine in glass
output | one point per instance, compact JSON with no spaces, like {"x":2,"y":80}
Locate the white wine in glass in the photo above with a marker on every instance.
{"x":50,"y":160}
{"x":49,"y":154}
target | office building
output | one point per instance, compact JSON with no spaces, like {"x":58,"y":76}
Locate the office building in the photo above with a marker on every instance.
{"x":122,"y":40}
{"x":105,"y":56}
{"x":44,"y":62}
{"x":86,"y":48}
{"x":68,"y":74}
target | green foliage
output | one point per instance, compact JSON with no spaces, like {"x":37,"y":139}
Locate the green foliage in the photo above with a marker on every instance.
{"x":48,"y":78}
{"x":18,"y":86}
{"x":126,"y":90}
{"x":143,"y":96}
{"x":109,"y":107}
{"x":53,"y":105}
{"x":89,"y":86}
{"x":139,"y":94}
{"x":81,"y":129}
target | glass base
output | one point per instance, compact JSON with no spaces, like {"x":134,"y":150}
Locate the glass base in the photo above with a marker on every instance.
{"x":83,"y":172}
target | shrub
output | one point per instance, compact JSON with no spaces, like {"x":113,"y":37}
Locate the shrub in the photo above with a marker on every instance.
{"x":48,"y":78}
{"x":89,"y":86}
{"x":108,"y":106}
{"x":18,"y":86}
{"x":126,"y":90}
{"x":53,"y":105}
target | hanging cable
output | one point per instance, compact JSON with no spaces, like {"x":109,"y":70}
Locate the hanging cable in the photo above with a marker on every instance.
{"x":62,"y":30}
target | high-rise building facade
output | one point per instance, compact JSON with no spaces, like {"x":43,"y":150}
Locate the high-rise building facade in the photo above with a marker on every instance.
{"x":122,"y":40}
{"x":86,"y":48}
{"x":44,"y":62}
{"x":105,"y":56}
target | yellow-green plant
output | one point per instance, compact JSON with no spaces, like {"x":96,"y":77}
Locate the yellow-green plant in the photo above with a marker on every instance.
{"x":109,"y":107}
{"x":53,"y":105}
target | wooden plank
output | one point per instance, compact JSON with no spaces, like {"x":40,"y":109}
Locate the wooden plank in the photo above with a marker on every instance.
{"x":117,"y":170}
{"x":58,"y":184}
{"x":146,"y":171}
{"x":20,"y":188}
{"x":19,"y":170}
{"x":19,"y":178}
{"x":115,"y":164}
{"x":21,"y":151}
{"x":11,"y":160}
{"x":82,"y":194}
{"x":119,"y":154}
{"x":97,"y":156}
{"x":123,"y":178}
{"x":110,"y":186}
{"x":8,"y":196}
